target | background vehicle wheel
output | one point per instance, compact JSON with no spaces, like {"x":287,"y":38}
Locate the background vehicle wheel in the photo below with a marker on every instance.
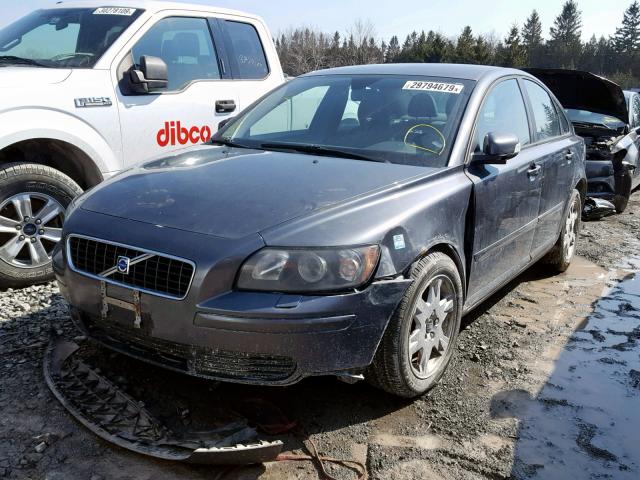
{"x":562,"y":253}
{"x":33,"y":200}
{"x":420,"y":338}
{"x":620,"y":202}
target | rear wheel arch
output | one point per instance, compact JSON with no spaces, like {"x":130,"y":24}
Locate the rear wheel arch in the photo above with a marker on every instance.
{"x":57,"y":154}
{"x":581,"y":186}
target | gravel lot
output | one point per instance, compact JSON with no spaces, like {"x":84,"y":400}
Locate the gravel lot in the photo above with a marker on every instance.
{"x":545,"y":382}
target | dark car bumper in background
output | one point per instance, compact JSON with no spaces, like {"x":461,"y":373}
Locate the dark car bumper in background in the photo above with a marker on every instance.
{"x":218,"y":333}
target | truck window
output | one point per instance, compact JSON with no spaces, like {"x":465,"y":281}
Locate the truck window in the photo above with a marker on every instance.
{"x":248,"y":60}
{"x":185,"y":45}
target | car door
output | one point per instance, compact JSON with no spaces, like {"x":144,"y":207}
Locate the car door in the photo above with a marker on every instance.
{"x":556,"y":149}
{"x":208,"y":62}
{"x":506,"y":196}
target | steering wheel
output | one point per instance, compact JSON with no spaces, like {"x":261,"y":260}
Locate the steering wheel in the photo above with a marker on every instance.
{"x":426,"y":137}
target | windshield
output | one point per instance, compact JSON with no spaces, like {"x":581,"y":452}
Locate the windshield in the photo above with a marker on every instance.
{"x":389,"y":118}
{"x":64,"y":38}
{"x":599,"y":119}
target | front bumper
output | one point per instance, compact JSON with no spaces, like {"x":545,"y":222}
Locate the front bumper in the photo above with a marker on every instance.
{"x":605,"y":180}
{"x":222,"y":334}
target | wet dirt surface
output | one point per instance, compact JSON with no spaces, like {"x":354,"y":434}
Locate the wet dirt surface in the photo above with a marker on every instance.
{"x":545,"y":383}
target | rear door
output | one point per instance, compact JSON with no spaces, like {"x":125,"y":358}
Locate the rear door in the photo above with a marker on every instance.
{"x":634,"y":157}
{"x":556,"y":150}
{"x":506,"y":197}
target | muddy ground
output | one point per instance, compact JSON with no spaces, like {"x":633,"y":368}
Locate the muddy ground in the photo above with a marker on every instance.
{"x":545,"y":384}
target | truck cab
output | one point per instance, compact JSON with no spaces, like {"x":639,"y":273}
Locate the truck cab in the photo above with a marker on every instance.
{"x":90,"y":88}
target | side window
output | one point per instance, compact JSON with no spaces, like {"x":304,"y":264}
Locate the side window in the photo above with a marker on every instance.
{"x":564,"y":123}
{"x":503,"y":111}
{"x":282,"y":118}
{"x":186,"y":47}
{"x":635,"y":111}
{"x":248,"y":60}
{"x":544,"y":112}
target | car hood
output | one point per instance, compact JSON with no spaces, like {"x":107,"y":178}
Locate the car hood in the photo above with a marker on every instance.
{"x":11,"y":77}
{"x":584,"y":91}
{"x":232,"y":193}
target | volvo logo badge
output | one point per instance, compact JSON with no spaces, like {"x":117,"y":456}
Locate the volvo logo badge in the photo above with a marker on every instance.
{"x":123,"y":265}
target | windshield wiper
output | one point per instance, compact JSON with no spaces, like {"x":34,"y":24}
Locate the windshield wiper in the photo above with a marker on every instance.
{"x":11,"y":60}
{"x":228,"y":143}
{"x":318,"y":150}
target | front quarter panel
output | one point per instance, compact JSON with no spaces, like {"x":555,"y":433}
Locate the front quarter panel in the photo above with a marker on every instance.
{"x":406,"y":220}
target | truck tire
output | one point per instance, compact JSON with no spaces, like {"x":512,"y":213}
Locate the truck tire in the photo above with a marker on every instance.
{"x":33,"y":201}
{"x":421,"y":336}
{"x":560,"y":256}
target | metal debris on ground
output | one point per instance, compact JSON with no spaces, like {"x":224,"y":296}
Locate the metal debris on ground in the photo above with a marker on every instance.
{"x":597,"y":208}
{"x":116,"y":417}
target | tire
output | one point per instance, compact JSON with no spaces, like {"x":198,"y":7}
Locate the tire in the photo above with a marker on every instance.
{"x":560,"y":256}
{"x":395,"y":369}
{"x":621,"y":202}
{"x":29,"y":191}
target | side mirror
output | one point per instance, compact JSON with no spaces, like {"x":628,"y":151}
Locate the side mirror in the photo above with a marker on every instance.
{"x":498,"y":148}
{"x":152,"y":75}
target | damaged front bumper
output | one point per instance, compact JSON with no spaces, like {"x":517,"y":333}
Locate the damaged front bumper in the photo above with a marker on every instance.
{"x":113,"y":415}
{"x":217,"y":332}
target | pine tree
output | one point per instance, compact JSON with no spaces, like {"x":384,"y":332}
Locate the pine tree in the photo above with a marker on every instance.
{"x":464,"y":52}
{"x":393,"y":51}
{"x":514,"y":52}
{"x":627,"y":37}
{"x":532,"y":31}
{"x":565,"y":45}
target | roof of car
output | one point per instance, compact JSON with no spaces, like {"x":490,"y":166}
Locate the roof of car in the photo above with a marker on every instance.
{"x":147,"y":5}
{"x":451,"y":70}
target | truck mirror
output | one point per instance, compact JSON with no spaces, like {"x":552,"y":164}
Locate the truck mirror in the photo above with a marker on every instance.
{"x":152,"y":75}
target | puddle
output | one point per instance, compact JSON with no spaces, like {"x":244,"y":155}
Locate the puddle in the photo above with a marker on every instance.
{"x":585,"y":421}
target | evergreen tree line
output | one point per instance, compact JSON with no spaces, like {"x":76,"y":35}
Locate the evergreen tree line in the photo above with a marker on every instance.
{"x":302,"y":50}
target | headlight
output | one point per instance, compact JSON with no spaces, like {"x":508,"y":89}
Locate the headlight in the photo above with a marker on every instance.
{"x":308,"y":270}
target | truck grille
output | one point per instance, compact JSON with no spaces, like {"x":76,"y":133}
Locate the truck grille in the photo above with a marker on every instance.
{"x":147,"y":271}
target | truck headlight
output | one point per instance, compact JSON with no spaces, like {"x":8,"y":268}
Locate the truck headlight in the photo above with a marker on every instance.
{"x":308,"y":270}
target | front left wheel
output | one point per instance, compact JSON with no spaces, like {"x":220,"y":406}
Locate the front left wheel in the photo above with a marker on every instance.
{"x":420,"y":338}
{"x":33,"y":201}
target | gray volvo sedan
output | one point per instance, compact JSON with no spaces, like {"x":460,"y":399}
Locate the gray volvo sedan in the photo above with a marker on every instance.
{"x":342,"y":225}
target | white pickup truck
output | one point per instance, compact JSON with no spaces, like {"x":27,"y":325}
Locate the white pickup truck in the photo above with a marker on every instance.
{"x":89,"y":88}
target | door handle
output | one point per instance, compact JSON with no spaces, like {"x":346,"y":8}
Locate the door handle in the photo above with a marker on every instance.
{"x":569,"y":155}
{"x":534,"y":170}
{"x":225,"y":106}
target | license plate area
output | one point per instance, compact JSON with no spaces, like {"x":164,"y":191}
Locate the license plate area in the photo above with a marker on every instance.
{"x":120,"y":305}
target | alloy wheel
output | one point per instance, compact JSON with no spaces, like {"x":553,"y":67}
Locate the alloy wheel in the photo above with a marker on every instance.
{"x":570,"y":231}
{"x":432,"y":326}
{"x":30,"y":227}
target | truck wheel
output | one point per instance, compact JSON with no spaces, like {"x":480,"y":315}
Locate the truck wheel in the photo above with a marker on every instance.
{"x":620,"y":202}
{"x":33,"y":201}
{"x":420,"y":338}
{"x":560,"y":256}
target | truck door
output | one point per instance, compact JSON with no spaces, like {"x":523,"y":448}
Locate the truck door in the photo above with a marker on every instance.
{"x":202,"y":90}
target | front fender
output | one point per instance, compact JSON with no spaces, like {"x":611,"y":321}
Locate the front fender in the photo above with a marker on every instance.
{"x":22,"y":124}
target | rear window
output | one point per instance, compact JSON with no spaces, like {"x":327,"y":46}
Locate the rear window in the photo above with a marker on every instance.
{"x":248,"y":60}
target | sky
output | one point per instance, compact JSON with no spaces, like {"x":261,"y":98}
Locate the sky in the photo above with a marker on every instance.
{"x":599,"y":17}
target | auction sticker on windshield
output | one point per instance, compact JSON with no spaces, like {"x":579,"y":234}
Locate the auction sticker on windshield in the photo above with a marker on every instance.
{"x":127,"y":12}
{"x":433,"y":87}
